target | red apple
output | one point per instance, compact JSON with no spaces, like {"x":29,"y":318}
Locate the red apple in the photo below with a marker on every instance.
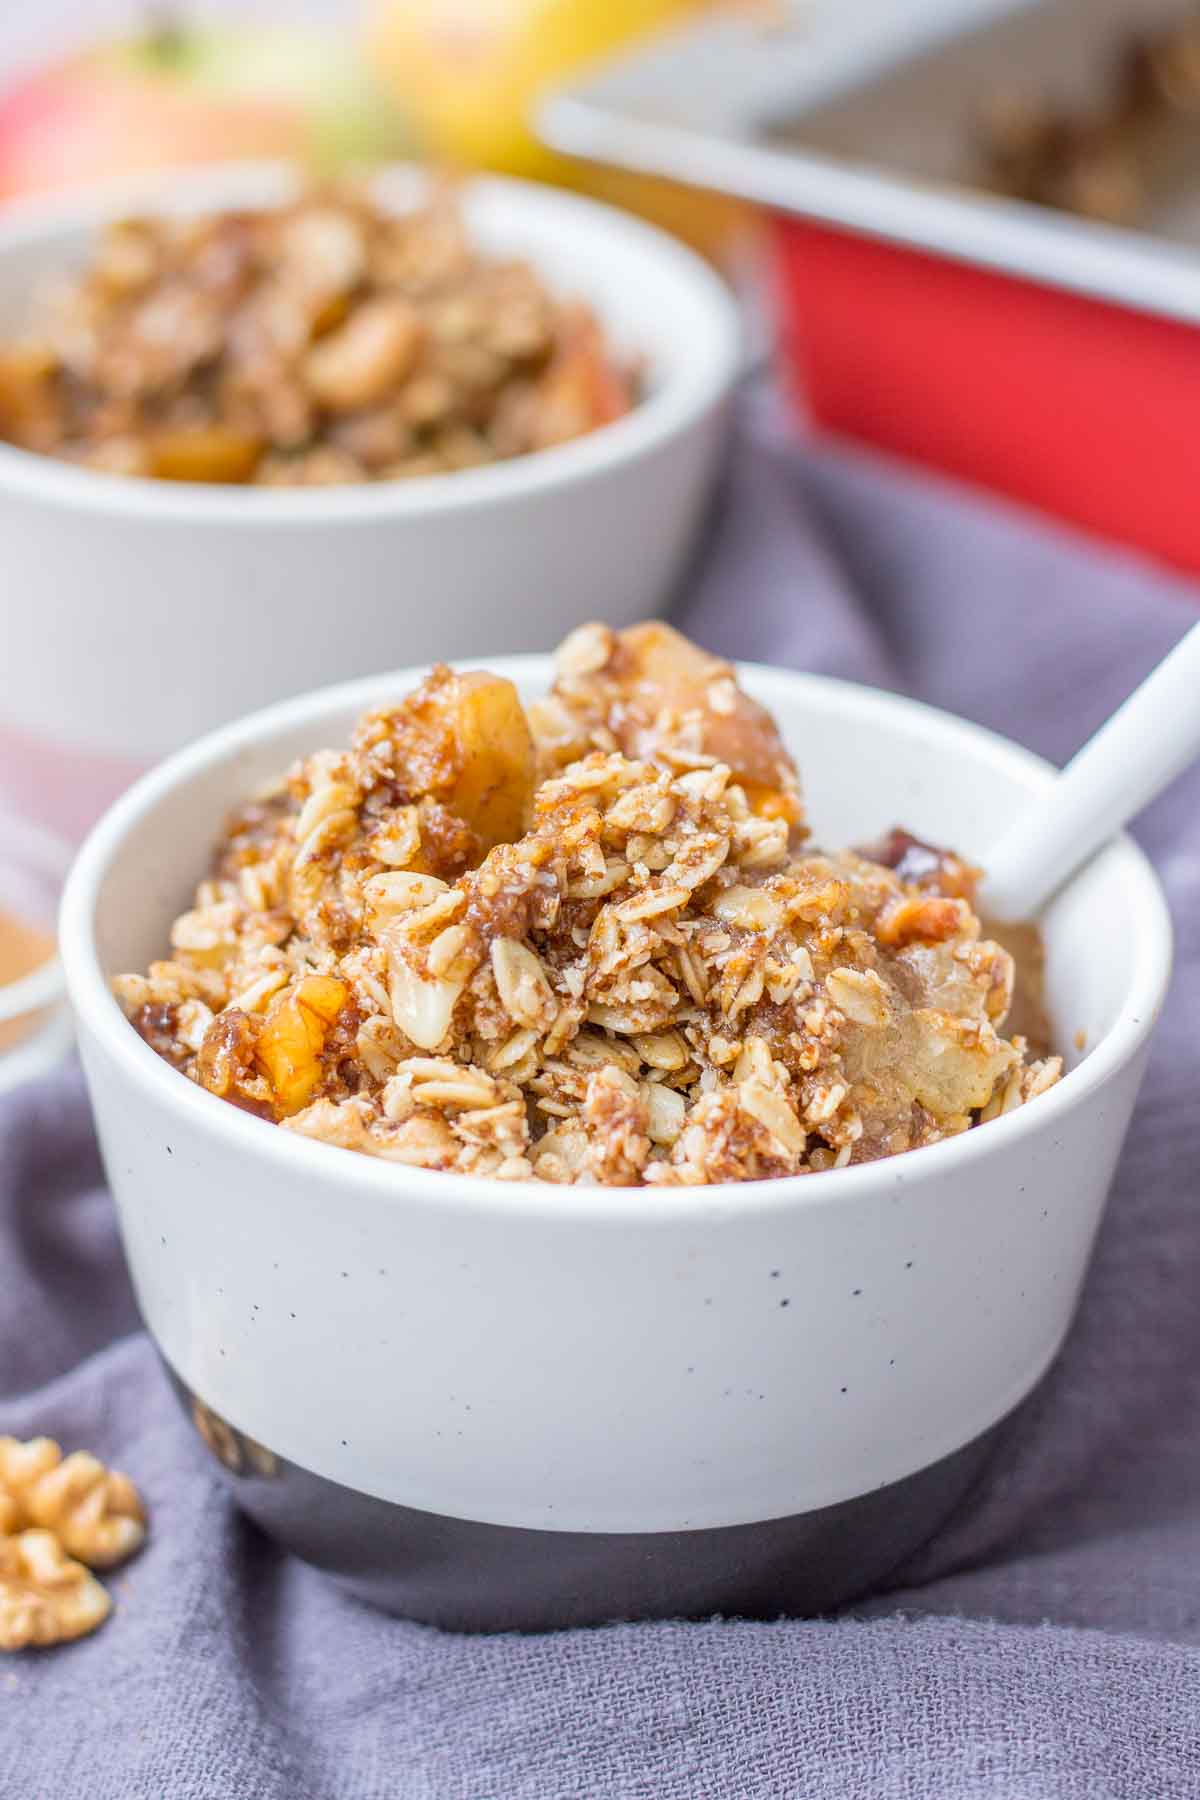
{"x":185,"y":95}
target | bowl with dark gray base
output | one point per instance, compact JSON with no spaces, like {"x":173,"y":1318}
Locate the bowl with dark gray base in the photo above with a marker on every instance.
{"x":258,"y":592}
{"x":465,"y":1575}
{"x":496,"y":1405}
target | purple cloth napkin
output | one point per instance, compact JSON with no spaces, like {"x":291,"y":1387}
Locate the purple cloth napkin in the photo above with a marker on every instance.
{"x":1045,"y":1647}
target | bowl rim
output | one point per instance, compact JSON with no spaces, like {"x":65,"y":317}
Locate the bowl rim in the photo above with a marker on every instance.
{"x":153,"y":1079}
{"x":700,"y":382}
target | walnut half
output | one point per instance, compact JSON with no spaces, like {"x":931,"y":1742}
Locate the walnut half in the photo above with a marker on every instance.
{"x":94,"y":1512}
{"x":45,"y":1597}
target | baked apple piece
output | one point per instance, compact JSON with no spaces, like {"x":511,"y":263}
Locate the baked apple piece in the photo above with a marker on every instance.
{"x":464,"y":742}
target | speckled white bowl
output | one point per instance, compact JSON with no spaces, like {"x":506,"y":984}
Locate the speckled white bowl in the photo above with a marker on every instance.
{"x":504,"y":1404}
{"x":135,"y":614}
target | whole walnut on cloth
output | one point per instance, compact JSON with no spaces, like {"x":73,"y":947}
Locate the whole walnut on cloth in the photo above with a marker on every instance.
{"x":54,"y":1509}
{"x":45,"y":1597}
{"x":94,"y":1512}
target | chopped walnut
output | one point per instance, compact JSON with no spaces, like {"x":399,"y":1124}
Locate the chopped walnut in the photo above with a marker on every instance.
{"x":45,"y":1597}
{"x":94,"y":1512}
{"x":636,"y":972}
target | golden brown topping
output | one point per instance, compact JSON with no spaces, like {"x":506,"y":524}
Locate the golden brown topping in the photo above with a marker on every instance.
{"x":45,"y":1597}
{"x":639,"y":977}
{"x":321,"y":342}
{"x":94,"y":1512}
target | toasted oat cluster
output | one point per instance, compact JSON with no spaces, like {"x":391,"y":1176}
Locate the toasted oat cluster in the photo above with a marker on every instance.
{"x":60,"y":1517}
{"x":317,"y":343}
{"x":584,"y":943}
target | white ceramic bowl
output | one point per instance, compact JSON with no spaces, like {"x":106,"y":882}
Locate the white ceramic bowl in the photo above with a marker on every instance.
{"x":135,"y":614}
{"x":505,"y":1404}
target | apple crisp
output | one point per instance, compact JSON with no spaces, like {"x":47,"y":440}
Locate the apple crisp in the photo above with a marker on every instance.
{"x":317,"y":343}
{"x":583,"y":942}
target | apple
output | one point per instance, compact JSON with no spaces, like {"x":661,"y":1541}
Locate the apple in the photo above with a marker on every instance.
{"x":468,"y":73}
{"x":182,"y":94}
{"x":468,"y":70}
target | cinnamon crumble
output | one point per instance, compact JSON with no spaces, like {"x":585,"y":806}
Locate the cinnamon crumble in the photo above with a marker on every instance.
{"x":312,"y":344}
{"x":585,"y":941}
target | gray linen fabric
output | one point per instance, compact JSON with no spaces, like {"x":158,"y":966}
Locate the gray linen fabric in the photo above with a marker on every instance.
{"x":1045,"y":1647}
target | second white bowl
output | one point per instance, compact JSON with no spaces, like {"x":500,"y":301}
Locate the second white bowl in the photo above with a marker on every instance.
{"x":136,"y":614}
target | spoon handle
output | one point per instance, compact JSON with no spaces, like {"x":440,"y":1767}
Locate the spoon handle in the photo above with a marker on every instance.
{"x":1148,"y":742}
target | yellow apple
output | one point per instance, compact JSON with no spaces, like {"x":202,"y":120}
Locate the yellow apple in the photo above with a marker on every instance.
{"x":468,"y":73}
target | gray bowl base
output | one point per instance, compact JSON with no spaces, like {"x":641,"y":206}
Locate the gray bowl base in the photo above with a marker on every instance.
{"x":466,"y":1575}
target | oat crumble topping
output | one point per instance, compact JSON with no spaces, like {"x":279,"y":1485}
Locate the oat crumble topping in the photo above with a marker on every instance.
{"x":313,"y":344}
{"x":584,"y":942}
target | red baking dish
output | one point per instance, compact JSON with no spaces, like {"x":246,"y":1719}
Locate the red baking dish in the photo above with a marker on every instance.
{"x":1053,"y":360}
{"x":1086,"y":409}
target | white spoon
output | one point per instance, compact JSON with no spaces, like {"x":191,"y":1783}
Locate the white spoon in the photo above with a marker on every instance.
{"x":1148,"y":742}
